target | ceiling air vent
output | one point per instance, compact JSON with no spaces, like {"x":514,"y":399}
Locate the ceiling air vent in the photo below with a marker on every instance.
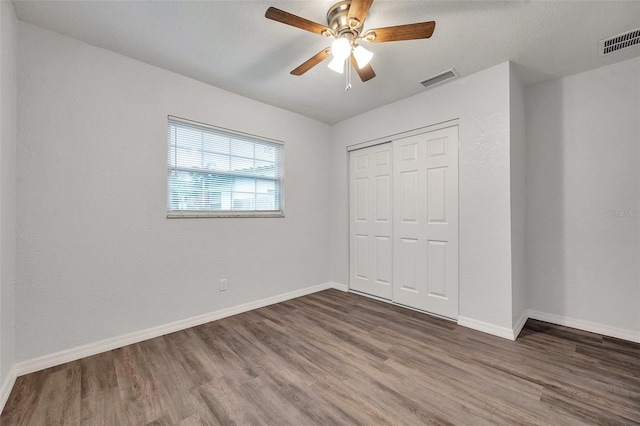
{"x":440,"y":78}
{"x":619,"y":42}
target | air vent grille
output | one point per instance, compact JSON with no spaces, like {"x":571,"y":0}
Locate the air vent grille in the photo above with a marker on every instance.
{"x":622,"y":41}
{"x":440,"y":78}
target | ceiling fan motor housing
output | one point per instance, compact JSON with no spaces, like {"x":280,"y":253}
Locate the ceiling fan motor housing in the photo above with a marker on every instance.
{"x":338,"y":20}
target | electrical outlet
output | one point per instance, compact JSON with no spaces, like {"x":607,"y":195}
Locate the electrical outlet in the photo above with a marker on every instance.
{"x":223,"y":284}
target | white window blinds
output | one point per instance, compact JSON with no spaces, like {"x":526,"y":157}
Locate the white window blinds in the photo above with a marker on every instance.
{"x":217,"y":172}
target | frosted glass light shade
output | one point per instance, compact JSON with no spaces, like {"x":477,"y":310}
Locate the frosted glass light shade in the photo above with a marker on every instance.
{"x":337,"y":65}
{"x":341,"y":48}
{"x":362,"y":55}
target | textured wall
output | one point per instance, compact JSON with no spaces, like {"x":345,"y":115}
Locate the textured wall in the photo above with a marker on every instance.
{"x":8,"y":52}
{"x":583,"y":194}
{"x":481,"y":102}
{"x":97,"y":256}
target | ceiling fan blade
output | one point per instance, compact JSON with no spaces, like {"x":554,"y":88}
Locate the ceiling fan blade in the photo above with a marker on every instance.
{"x":358,"y":10}
{"x":315,"y":60}
{"x":401,"y":32}
{"x":366,"y":73}
{"x":296,"y":21}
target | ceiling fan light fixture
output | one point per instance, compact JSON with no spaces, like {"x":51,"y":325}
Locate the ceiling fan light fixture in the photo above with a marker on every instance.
{"x":363,"y":56}
{"x":337,"y":65}
{"x":341,"y":48}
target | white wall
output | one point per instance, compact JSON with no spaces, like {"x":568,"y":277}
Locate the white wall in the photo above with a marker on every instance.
{"x":8,"y":52}
{"x":518,"y":197}
{"x":582,"y":162}
{"x":97,"y":256}
{"x":481,"y":102}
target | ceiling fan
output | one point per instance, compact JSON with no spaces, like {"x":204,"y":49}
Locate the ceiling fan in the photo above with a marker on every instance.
{"x":345,"y":21}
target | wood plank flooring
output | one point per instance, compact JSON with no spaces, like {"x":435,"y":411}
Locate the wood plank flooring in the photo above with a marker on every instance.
{"x":336,"y":358}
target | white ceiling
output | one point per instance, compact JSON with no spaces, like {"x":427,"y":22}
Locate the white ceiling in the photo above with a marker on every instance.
{"x":230,"y":45}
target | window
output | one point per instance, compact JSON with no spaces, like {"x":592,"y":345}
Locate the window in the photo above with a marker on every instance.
{"x":217,"y":172}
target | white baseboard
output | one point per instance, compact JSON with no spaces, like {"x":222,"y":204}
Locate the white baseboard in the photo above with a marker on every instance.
{"x":605,"y":330}
{"x":73,"y":354}
{"x":485,"y":327}
{"x":517,"y":328}
{"x":6,"y":387}
{"x":339,"y":286}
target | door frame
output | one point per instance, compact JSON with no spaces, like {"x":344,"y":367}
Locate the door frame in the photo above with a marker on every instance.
{"x":389,"y":139}
{"x":405,"y":134}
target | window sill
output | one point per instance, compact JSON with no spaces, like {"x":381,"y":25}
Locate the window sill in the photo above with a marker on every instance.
{"x":225,"y":214}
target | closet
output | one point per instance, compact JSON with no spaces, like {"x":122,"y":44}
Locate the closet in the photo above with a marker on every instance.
{"x":403,"y":226}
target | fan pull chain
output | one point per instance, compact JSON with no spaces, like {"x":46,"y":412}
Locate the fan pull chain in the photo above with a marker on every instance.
{"x":348,"y":76}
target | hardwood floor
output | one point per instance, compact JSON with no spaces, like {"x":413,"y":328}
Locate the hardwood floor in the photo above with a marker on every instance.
{"x":336,"y":358}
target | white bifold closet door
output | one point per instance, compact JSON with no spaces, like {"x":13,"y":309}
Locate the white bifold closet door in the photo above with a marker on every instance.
{"x":425,"y":231}
{"x":371,"y":221}
{"x":404,"y":221}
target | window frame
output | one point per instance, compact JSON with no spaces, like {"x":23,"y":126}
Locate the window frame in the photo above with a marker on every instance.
{"x":280,"y":180}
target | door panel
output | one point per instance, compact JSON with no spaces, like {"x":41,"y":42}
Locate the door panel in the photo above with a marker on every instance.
{"x":437,"y":194}
{"x":436,"y":269}
{"x":362,"y":257}
{"x":371,"y":224}
{"x":409,"y":203}
{"x":361,"y":199}
{"x":425,"y":231}
{"x":408,"y":269}
{"x":383,"y":259}
{"x":383,"y":199}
